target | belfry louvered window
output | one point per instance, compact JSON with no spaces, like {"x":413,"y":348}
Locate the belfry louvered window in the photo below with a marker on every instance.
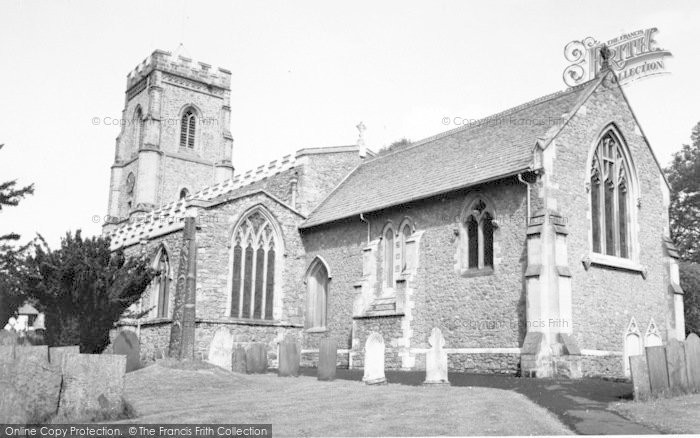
{"x":188,"y":125}
{"x":610,"y":198}
{"x":255,"y":252}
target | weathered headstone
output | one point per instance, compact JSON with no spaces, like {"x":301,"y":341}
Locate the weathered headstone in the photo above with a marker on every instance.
{"x":289,"y":358}
{"x":8,"y":337}
{"x":29,"y":391}
{"x":127,"y":343}
{"x":56,"y":353}
{"x":221,"y":348}
{"x":374,"y":360}
{"x":327,"y":359}
{"x":640,"y":377}
{"x":238,"y":361}
{"x":256,"y":358}
{"x":37,"y":352}
{"x":436,"y":360}
{"x":7,"y":353}
{"x":93,"y":386}
{"x":692,"y":358}
{"x":658,"y":371}
{"x":677,"y":370}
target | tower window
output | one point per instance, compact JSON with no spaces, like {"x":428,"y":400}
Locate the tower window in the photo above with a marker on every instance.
{"x":188,"y":125}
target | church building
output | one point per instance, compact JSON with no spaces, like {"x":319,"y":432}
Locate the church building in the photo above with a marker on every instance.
{"x":536,"y":239}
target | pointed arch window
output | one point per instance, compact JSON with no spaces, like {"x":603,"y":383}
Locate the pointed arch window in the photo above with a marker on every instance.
{"x":610,"y":188}
{"x":317,"y":283}
{"x":255,"y":254}
{"x":405,"y":232}
{"x":476,"y":236}
{"x":188,"y":126}
{"x":388,"y":257}
{"x":160,"y":286}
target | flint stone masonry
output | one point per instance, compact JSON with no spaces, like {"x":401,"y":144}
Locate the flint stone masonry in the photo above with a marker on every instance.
{"x":658,"y":371}
{"x":7,"y":353}
{"x":93,"y":387}
{"x":127,"y":344}
{"x":56,"y":353}
{"x":37,"y":352}
{"x":29,"y":391}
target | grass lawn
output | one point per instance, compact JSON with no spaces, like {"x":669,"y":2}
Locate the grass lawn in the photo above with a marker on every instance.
{"x":303,"y":406}
{"x":669,"y":415}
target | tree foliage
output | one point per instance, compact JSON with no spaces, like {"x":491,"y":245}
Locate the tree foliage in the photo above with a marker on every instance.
{"x":10,"y":254}
{"x":82,"y":288}
{"x":684,"y":177}
{"x":690,"y":283}
{"x":395,"y":146}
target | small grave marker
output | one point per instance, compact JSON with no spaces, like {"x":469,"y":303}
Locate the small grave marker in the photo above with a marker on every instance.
{"x":238,"y":361}
{"x":126,"y":343}
{"x":692,"y":358}
{"x":256,"y":358}
{"x":658,"y":371}
{"x":221,"y":349}
{"x":640,"y":377}
{"x":327,"y":359}
{"x":289,"y":358}
{"x":374,"y":360}
{"x":436,"y":360}
{"x":677,"y":369}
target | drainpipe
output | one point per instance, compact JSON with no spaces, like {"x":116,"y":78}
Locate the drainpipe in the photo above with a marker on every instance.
{"x":520,"y":178}
{"x":362,"y":218}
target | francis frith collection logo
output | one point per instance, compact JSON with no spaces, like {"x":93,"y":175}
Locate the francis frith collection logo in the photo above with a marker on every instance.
{"x":632,"y":56}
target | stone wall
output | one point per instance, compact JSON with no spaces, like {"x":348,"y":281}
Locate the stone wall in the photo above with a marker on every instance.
{"x":605,"y":298}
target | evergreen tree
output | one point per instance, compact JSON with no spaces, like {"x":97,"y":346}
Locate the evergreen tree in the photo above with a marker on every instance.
{"x":82,"y":288}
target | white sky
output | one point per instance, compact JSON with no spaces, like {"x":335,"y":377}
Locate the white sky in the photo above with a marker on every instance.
{"x":304,"y":74}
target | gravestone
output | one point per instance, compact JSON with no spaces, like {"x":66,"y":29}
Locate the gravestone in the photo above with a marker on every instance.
{"x":8,"y":337}
{"x":436,"y":360}
{"x":221,"y":349}
{"x":289,"y":358}
{"x":37,"y":352}
{"x":692,"y":359}
{"x":56,"y":353}
{"x":327,"y":359}
{"x":238,"y":361}
{"x":658,"y":371}
{"x":126,"y":343}
{"x":374,"y":360}
{"x":29,"y":391}
{"x":640,"y":377}
{"x":93,"y":387}
{"x":677,"y":370}
{"x":256,"y":358}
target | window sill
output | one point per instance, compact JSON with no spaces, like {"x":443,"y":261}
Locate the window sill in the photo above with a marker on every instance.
{"x":468,"y":273}
{"x":316,"y":330}
{"x":614,"y":262}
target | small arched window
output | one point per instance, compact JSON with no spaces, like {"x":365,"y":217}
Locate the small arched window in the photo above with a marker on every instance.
{"x":137,"y":126}
{"x":184,"y":193}
{"x":389,"y":257}
{"x":317,"y":282}
{"x":610,"y":198}
{"x":476,"y":236}
{"x":188,"y":124}
{"x":404,"y":234}
{"x":256,"y":250}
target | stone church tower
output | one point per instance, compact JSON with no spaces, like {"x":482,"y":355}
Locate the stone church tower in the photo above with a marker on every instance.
{"x":175,"y":137}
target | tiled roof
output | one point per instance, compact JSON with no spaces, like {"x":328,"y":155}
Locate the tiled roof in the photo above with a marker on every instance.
{"x":490,"y":148}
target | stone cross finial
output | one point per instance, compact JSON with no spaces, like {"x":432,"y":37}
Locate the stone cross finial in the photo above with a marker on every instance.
{"x":361,"y":139}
